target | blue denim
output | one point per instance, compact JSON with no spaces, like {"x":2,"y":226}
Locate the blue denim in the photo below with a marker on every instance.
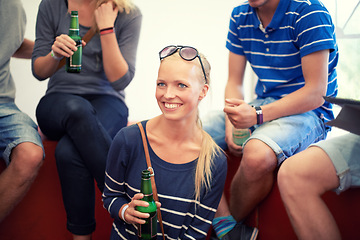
{"x":84,"y":127}
{"x":15,"y":127}
{"x":286,"y":136}
{"x":344,"y":152}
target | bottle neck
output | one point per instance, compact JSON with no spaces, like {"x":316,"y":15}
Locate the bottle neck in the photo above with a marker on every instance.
{"x":74,"y":25}
{"x":146,"y":189}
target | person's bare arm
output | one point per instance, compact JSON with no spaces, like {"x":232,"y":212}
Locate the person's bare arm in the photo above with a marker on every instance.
{"x":234,"y":90}
{"x":307,"y":98}
{"x":114,"y":63}
{"x":63,"y":46}
{"x":25,"y":50}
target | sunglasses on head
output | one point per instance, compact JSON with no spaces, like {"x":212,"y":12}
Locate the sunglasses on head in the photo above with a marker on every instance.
{"x":186,"y":52}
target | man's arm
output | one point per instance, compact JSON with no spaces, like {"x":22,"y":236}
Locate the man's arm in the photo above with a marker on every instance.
{"x":234,"y":90}
{"x":307,"y":98}
{"x":25,"y":50}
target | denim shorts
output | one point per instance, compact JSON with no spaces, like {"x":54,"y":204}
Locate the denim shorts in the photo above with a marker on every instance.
{"x":15,"y":127}
{"x":344,"y":152}
{"x":286,"y":136}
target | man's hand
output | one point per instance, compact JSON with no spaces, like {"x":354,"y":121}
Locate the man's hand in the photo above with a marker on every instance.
{"x":240,"y":114}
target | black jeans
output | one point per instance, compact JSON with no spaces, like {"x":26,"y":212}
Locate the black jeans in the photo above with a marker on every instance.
{"x":84,"y":127}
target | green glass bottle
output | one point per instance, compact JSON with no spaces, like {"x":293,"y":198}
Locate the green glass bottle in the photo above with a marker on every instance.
{"x":240,"y":135}
{"x":149,"y":229}
{"x":73,"y":63}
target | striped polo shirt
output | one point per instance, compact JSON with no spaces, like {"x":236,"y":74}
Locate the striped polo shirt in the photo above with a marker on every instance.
{"x":298,"y":28}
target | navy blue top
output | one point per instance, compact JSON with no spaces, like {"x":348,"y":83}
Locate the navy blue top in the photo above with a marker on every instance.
{"x":183,"y":216}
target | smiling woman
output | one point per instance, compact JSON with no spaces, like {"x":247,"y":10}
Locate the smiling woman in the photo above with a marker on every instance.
{"x":182,"y":154}
{"x":181,"y":84}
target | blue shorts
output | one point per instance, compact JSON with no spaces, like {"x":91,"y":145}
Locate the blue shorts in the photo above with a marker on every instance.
{"x":344,"y":152}
{"x":15,"y":127}
{"x":285,"y":136}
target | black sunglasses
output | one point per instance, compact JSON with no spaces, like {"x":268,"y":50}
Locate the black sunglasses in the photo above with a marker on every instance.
{"x":186,"y":52}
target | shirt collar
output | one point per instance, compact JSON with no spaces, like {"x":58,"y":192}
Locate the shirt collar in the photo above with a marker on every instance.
{"x":275,"y":21}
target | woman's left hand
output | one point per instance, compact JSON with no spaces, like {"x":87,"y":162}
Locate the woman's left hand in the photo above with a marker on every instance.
{"x":106,"y":14}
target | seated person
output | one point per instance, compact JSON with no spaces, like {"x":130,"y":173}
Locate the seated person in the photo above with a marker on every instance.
{"x":84,"y":111}
{"x":332,"y":164}
{"x":20,"y":142}
{"x":291,"y":47}
{"x":190,"y":169}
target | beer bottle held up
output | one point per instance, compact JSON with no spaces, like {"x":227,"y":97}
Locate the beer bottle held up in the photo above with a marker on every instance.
{"x":73,"y":63}
{"x":149,"y":229}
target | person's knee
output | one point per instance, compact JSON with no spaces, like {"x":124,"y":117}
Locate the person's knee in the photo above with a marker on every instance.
{"x":79,"y":110}
{"x":258,"y":159}
{"x":26,"y":159}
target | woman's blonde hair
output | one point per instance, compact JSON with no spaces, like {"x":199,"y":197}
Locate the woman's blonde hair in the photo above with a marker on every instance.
{"x":203,"y":173}
{"x":209,"y":149}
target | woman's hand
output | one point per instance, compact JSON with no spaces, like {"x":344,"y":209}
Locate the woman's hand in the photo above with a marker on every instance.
{"x":131,"y":215}
{"x":64,"y":46}
{"x":106,"y":14}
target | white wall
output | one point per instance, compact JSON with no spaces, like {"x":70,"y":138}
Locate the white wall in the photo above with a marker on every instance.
{"x":199,"y":23}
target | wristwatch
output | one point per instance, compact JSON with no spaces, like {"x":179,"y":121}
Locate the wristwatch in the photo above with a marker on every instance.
{"x":259,"y":115}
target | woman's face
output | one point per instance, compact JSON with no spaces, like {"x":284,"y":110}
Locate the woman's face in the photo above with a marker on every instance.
{"x":179,"y":88}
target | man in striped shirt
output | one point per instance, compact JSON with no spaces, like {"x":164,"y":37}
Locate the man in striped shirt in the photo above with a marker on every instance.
{"x":291,"y":47}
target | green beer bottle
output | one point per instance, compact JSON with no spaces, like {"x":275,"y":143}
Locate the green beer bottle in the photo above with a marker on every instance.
{"x":149,"y":229}
{"x":73,"y":63}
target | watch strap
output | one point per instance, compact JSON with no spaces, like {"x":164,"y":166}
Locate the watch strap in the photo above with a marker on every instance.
{"x":259,"y":115}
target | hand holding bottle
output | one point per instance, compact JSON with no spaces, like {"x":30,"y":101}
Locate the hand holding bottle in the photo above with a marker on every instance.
{"x":240,"y":114}
{"x":64,"y":46}
{"x":131,"y":215}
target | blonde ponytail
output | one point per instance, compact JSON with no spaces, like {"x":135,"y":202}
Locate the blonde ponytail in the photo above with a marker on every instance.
{"x":203,"y":173}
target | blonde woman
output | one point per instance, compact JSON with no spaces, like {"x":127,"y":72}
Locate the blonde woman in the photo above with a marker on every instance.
{"x":190,"y":169}
{"x":84,"y":111}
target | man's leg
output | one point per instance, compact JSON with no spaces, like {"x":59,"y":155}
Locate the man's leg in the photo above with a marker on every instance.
{"x":302,"y":180}
{"x":253,"y":180}
{"x":251,"y":184}
{"x":15,"y":180}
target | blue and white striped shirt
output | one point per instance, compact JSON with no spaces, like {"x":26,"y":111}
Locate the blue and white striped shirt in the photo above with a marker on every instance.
{"x":183,"y":217}
{"x":298,"y":28}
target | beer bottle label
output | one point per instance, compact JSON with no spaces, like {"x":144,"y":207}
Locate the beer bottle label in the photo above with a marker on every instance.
{"x":149,"y":229}
{"x":75,"y":59}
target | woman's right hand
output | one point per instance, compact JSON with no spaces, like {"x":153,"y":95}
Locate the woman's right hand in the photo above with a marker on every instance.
{"x":64,"y":46}
{"x":131,"y":215}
